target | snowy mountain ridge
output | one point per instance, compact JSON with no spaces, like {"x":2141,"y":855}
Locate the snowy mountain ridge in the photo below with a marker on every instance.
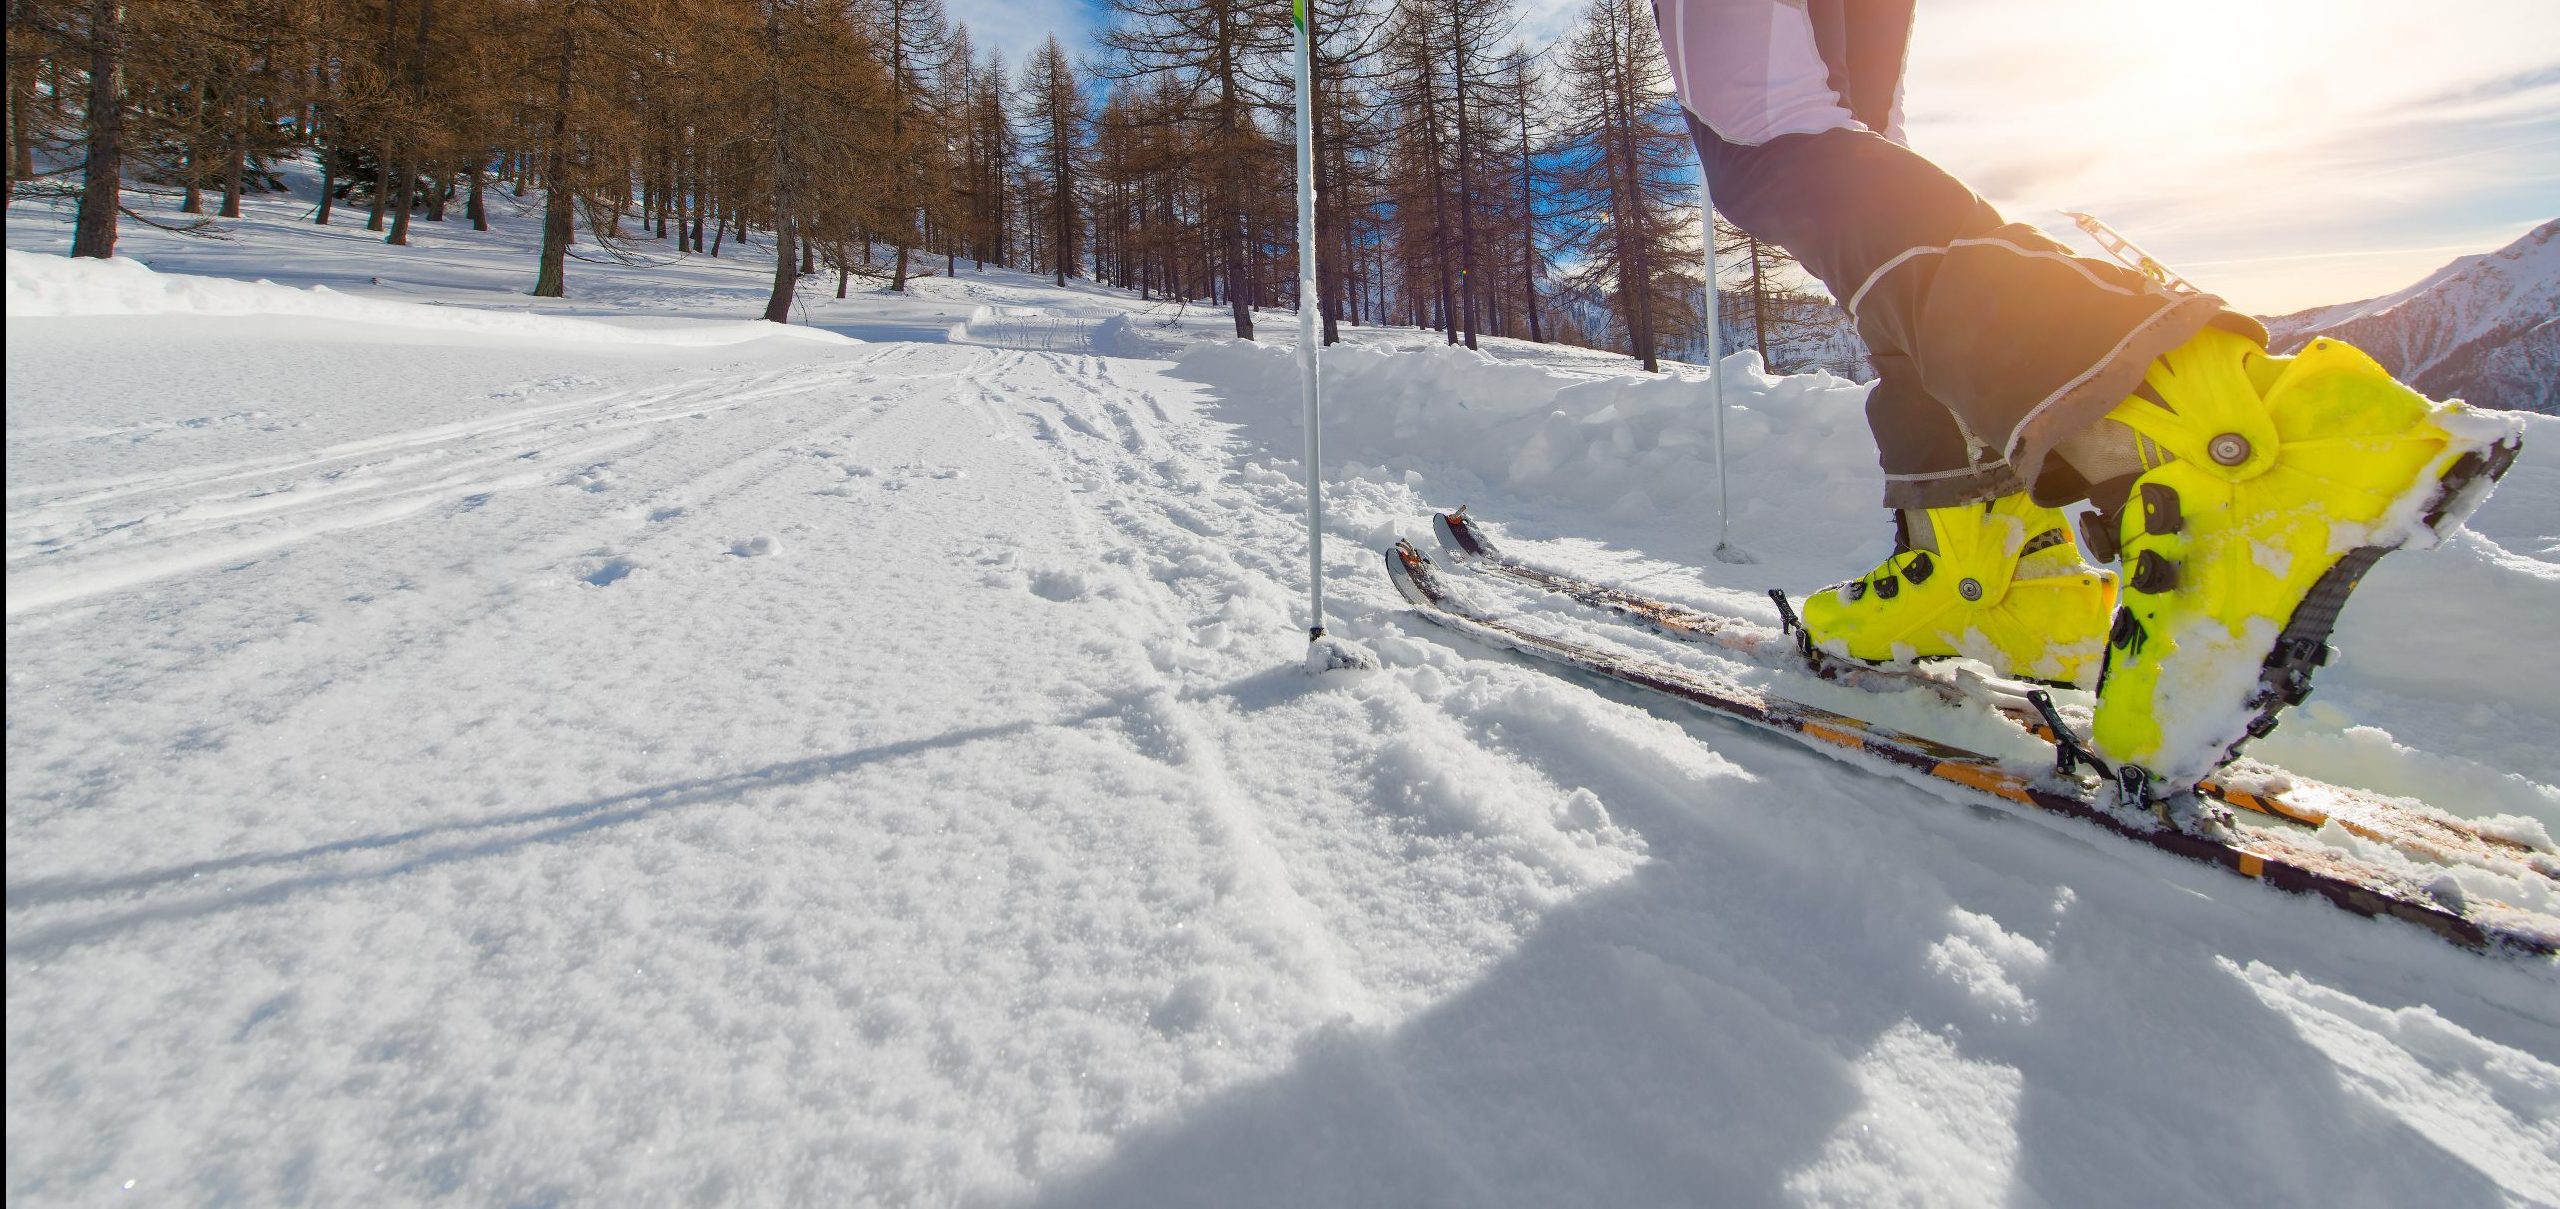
{"x":2485,"y":328}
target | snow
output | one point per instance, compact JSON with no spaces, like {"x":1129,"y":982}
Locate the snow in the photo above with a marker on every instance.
{"x":469,"y":748}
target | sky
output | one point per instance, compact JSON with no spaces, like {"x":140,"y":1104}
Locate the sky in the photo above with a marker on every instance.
{"x":2281,"y":153}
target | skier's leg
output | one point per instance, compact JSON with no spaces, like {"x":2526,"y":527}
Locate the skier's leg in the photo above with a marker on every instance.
{"x":1930,"y":459}
{"x":2024,"y":341}
{"x":2266,"y":484}
{"x":1864,"y":43}
{"x":1977,"y":569}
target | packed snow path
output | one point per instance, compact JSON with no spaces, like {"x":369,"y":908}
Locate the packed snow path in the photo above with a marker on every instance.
{"x":785,"y":771}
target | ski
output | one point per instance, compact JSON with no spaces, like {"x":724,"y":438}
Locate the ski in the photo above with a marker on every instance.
{"x":2245,"y":784}
{"x":2276,"y":850}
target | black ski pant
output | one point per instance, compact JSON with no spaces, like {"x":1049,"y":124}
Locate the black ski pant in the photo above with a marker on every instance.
{"x":1991,"y":341}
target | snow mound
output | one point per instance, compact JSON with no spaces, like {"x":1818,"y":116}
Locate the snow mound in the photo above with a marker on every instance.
{"x":58,"y":287}
{"x":1631,"y":447}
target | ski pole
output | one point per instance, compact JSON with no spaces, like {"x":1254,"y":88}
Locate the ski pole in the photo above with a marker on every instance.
{"x":1724,"y":551}
{"x":1310,"y":390}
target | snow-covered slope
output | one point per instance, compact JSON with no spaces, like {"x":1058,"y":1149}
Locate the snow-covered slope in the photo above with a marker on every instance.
{"x":494,"y":764}
{"x":2484,"y":328}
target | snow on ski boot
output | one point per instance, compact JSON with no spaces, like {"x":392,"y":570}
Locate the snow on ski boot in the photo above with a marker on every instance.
{"x":2271,"y":485}
{"x":2002,"y":582}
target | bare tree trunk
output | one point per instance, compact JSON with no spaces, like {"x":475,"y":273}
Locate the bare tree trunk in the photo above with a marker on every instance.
{"x":559,"y":228}
{"x":402,"y":198}
{"x":1635,"y":277}
{"x":1466,"y":169}
{"x":777,"y":308}
{"x":1759,"y":309}
{"x":1528,"y":217}
{"x":102,"y":177}
{"x":551,"y":280}
{"x":1448,"y":317}
{"x":235,"y":160}
{"x":411,"y":165}
{"x":666,"y":197}
{"x":1059,"y":141}
{"x":328,"y":183}
{"x":1328,"y":267}
{"x":477,"y":207}
{"x":22,"y":93}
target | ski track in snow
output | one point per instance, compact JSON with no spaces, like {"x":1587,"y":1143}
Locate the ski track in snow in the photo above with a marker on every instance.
{"x":783,"y":772}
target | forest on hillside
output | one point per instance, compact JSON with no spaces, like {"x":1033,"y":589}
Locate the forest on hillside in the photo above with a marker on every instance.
{"x":1466,"y":181}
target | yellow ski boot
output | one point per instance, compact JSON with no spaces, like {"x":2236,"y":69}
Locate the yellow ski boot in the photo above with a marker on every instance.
{"x":2271,"y":486}
{"x":2002,"y":582}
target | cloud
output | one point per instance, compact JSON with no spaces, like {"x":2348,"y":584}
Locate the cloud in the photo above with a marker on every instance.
{"x":1545,"y":22}
{"x":2295,"y":151}
{"x":1017,"y":27}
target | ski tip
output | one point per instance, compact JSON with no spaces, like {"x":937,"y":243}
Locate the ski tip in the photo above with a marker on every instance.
{"x":1409,"y":569}
{"x":1459,"y":535}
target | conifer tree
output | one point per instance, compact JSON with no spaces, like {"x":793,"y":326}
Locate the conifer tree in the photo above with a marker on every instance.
{"x":1215,"y":48}
{"x":1627,"y":155}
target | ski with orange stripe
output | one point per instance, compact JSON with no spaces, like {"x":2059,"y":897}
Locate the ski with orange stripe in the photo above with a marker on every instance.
{"x":2247,"y":785}
{"x":2277,"y":851}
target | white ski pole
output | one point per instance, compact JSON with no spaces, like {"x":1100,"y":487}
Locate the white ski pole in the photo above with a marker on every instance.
{"x":1725,"y":550}
{"x":1310,"y":389}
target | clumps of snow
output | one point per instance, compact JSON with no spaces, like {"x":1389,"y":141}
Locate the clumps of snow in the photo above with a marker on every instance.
{"x":1333,"y":654}
{"x":1988,"y":963}
{"x":2471,"y":431}
{"x":60,"y":287}
{"x":2198,"y":701}
{"x":1936,"y":1128}
{"x":1060,"y":584}
{"x":1117,"y":336}
{"x":759,"y":546}
{"x":2516,"y":829}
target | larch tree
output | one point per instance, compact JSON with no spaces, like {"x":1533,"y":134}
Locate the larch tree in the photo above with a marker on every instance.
{"x":913,"y":39}
{"x":1213,"y":48}
{"x":1053,"y":139}
{"x":1626,"y":157}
